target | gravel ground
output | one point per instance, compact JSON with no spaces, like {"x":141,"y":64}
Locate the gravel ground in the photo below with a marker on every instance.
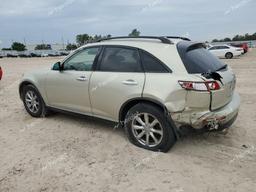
{"x":70,"y":153}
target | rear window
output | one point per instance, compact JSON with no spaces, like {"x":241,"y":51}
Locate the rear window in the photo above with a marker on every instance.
{"x":197,"y":59}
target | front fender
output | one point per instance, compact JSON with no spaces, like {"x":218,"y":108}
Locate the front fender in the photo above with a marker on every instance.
{"x":37,"y":79}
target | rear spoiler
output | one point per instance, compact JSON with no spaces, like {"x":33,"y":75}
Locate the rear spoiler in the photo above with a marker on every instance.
{"x":185,"y":46}
{"x":195,"y":46}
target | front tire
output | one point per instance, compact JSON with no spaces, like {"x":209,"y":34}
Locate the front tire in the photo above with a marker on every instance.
{"x":33,"y":101}
{"x":147,"y":127}
{"x":229,"y":55}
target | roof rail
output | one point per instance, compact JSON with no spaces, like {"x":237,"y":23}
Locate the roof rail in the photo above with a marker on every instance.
{"x":177,"y":37}
{"x":162,"y":39}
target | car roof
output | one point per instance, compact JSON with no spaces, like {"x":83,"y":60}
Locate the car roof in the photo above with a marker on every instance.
{"x":134,"y":42}
{"x":165,"y":52}
{"x":221,"y":45}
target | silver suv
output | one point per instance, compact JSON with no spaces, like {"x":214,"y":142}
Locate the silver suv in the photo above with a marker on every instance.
{"x":152,"y":86}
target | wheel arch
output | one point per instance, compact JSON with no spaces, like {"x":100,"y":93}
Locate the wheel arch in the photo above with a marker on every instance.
{"x":25,"y":83}
{"x":132,"y":102}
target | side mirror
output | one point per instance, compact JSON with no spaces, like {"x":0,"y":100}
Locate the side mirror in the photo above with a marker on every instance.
{"x":57,"y":66}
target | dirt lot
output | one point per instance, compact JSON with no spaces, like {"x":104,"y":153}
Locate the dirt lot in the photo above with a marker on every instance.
{"x":67,"y":153}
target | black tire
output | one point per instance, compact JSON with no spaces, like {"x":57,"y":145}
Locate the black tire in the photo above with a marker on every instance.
{"x":166,"y":140}
{"x":229,"y":55}
{"x":41,"y":110}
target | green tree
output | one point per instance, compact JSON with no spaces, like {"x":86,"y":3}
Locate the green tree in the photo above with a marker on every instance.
{"x":134,"y":33}
{"x":235,"y":38}
{"x":215,"y":40}
{"x":43,"y":47}
{"x":245,"y":37}
{"x":6,"y":49}
{"x":254,"y":36}
{"x":109,"y":36}
{"x":97,"y":37}
{"x":226,"y":39}
{"x":82,"y":39}
{"x":71,"y":47}
{"x":18,"y":46}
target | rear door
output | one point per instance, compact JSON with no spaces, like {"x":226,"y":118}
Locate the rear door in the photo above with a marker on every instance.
{"x":199,"y":61}
{"x":118,"y":78}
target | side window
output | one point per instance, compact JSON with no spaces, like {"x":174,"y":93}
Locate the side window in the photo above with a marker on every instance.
{"x":119,"y":59}
{"x":151,"y":64}
{"x":83,"y":60}
{"x":212,"y":48}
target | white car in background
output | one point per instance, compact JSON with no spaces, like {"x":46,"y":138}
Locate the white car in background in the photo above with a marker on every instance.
{"x":225,"y":51}
{"x":44,"y":55}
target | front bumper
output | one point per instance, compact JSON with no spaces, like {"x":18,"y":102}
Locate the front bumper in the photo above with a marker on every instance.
{"x":221,"y":118}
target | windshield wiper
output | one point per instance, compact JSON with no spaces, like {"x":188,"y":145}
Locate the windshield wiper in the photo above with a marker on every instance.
{"x":213,"y":75}
{"x":222,"y":67}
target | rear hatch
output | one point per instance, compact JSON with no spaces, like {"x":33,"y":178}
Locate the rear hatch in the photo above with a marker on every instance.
{"x":201,"y":63}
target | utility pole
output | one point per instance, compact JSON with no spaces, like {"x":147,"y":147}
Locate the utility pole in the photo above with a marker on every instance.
{"x":24,"y":40}
{"x":62,"y":39}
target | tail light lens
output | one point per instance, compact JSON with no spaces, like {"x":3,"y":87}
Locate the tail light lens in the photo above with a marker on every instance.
{"x":200,"y":86}
{"x":1,"y":73}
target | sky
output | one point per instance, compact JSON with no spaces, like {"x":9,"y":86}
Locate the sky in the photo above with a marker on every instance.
{"x":55,"y":21}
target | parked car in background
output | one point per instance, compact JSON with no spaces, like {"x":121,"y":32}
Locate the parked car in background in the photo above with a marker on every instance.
{"x":64,"y":53}
{"x":44,"y":54}
{"x":152,"y":86}
{"x":54,"y":54}
{"x":241,"y":45}
{"x":225,"y":51}
{"x":1,"y":72}
{"x":12,"y":55}
{"x":24,"y":54}
{"x":34,"y":54}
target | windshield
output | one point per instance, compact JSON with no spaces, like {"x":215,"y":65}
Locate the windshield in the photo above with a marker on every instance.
{"x":199,"y":60}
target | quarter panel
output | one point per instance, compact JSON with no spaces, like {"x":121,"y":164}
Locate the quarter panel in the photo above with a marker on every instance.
{"x":165,"y":89}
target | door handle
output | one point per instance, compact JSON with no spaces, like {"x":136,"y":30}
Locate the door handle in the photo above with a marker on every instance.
{"x":82,"y":78}
{"x":130,"y":82}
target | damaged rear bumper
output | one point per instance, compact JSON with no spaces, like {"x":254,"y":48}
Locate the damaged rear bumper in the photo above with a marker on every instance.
{"x":217,"y":119}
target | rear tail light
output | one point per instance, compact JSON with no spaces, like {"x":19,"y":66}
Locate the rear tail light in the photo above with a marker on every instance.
{"x":200,"y":86}
{"x":1,"y":73}
{"x":213,"y":85}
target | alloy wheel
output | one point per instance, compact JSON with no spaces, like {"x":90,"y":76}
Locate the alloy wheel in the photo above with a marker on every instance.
{"x":32,"y":101}
{"x":147,"y":129}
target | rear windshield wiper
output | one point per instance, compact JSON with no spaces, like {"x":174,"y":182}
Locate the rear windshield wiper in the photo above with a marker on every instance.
{"x":222,"y":67}
{"x":213,"y":75}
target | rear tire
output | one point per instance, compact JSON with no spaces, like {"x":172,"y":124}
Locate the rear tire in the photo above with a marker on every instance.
{"x":147,"y":127}
{"x":33,"y":101}
{"x":229,"y":55}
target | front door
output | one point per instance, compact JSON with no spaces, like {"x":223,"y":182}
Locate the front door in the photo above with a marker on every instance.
{"x":68,"y":89}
